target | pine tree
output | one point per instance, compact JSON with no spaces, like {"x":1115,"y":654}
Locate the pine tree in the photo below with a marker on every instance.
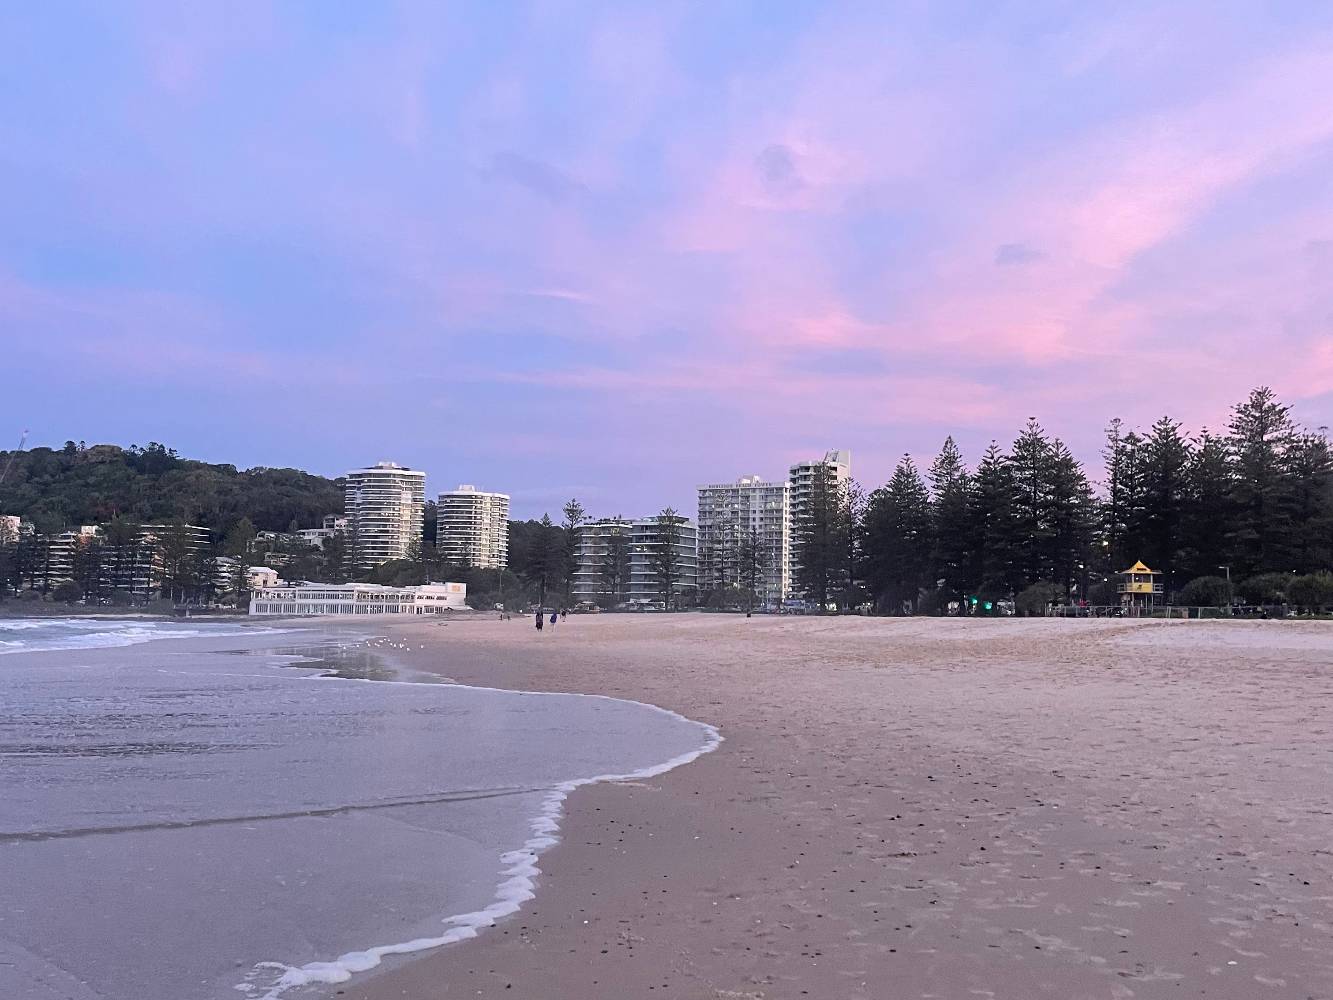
{"x":1166,"y":460}
{"x":175,"y":549}
{"x":997,"y":555}
{"x":546,"y":567}
{"x":615,"y":564}
{"x":820,"y":539}
{"x":86,"y":567}
{"x":1132,"y":502}
{"x":1207,"y":512}
{"x":1113,"y":514}
{"x":1071,"y":513}
{"x":952,"y":531}
{"x":1307,"y":502}
{"x":897,"y":539}
{"x":1261,"y":434}
{"x":1030,"y":462}
{"x":123,"y":556}
{"x":854,"y":502}
{"x":751,"y":560}
{"x":664,"y":558}
{"x":574,"y":515}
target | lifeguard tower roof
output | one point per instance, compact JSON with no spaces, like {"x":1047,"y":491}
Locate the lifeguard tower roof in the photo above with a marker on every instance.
{"x":1138,"y":568}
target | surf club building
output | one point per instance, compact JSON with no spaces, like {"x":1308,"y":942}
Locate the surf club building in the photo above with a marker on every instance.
{"x":358,"y":599}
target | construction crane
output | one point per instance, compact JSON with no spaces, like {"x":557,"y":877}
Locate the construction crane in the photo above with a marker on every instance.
{"x":4,"y":473}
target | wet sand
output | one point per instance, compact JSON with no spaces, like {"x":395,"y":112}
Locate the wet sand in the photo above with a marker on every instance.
{"x":923,"y":808}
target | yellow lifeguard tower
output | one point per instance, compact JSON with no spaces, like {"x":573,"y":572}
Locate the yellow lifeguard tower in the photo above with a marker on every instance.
{"x":1139,"y":586}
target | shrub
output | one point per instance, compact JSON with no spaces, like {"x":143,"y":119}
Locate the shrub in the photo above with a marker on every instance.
{"x":932,"y":602}
{"x":1035,"y":598}
{"x":68,"y":592}
{"x":1266,"y":588}
{"x":1312,"y":591}
{"x":1103,"y":593}
{"x":1206,"y":592}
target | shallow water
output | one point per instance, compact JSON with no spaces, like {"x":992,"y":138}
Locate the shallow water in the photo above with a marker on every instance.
{"x":174,"y":816}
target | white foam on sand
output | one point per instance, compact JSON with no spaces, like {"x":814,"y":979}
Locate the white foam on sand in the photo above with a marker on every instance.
{"x":518,"y":876}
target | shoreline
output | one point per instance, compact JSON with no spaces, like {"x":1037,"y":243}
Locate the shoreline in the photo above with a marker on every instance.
{"x":863,"y":827}
{"x":314,"y":651}
{"x":517,"y":880}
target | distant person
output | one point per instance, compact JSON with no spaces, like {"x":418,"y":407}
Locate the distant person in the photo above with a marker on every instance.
{"x":564,"y":614}
{"x":540,"y":618}
{"x":554,"y":618}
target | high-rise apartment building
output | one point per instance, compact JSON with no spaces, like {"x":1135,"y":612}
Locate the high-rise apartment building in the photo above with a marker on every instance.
{"x":618,"y":561}
{"x":137,"y":565}
{"x":836,"y":468}
{"x":385,"y":507}
{"x":733,"y":514}
{"x":48,"y":560}
{"x":472,"y":528}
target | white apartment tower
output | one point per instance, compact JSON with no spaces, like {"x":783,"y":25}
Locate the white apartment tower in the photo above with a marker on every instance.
{"x":836,"y":464}
{"x":729,"y":513}
{"x":472,"y":528}
{"x":385,"y":506}
{"x":837,"y":468}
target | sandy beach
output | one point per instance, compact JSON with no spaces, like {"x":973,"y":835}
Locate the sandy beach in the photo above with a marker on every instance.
{"x":923,"y":808}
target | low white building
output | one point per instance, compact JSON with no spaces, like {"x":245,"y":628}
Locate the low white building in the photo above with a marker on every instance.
{"x":358,"y":599}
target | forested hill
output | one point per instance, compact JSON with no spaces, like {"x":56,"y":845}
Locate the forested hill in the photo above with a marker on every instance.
{"x":77,"y":484}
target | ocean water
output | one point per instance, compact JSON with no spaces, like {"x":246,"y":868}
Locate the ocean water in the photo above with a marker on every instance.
{"x":25,"y":635}
{"x":200,"y":819}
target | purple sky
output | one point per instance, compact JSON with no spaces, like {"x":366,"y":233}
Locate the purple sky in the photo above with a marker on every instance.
{"x":617,"y":250}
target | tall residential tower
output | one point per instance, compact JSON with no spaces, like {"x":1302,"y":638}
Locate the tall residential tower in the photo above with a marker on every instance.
{"x":734,"y":513}
{"x":836,"y":472}
{"x":472,"y":528}
{"x":837,"y":467}
{"x":385,"y":506}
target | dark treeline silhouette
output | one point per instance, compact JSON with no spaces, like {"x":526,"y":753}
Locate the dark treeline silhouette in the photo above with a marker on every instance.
{"x":1252,"y":506}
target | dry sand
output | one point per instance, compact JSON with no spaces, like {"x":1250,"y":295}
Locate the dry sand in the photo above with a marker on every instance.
{"x":925,"y":808}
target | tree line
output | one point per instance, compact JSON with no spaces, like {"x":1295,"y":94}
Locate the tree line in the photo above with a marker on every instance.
{"x":1247,"y":512}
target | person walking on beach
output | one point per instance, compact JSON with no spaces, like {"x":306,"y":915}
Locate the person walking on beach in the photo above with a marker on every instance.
{"x":540,"y":616}
{"x":554,"y":617}
{"x":564,"y":614}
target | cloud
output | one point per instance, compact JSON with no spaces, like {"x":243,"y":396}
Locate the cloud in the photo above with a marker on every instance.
{"x":777,"y":168}
{"x":1011,"y":254}
{"x":538,"y":176}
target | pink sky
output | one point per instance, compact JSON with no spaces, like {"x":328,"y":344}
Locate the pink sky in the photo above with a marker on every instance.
{"x":553,"y":248}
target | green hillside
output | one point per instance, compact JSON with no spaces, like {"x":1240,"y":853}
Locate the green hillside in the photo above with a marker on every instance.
{"x":77,"y":484}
